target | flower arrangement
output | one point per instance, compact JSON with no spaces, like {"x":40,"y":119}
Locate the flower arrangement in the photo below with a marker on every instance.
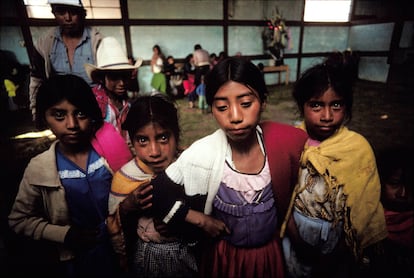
{"x":275,"y":37}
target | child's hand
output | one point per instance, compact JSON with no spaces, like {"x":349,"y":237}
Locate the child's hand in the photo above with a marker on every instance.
{"x":212,"y":226}
{"x":162,"y":228}
{"x":138,"y":200}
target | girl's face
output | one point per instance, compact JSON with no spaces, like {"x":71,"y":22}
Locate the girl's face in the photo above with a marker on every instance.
{"x":117,"y":82}
{"x":155,"y":146}
{"x":237,"y":110}
{"x":324,"y":115}
{"x":71,"y":126}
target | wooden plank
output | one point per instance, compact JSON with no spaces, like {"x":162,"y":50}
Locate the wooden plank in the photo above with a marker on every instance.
{"x":278,"y":70}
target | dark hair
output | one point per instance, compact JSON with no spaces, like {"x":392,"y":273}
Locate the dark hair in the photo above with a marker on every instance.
{"x":222,"y":55}
{"x":238,"y":70}
{"x":152,"y":109}
{"x":156,"y":46}
{"x":333,"y":72}
{"x":392,"y":158}
{"x":71,"y":88}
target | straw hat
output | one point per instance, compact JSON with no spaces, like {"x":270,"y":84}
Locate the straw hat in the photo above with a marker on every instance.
{"x":76,"y":3}
{"x":110,"y":57}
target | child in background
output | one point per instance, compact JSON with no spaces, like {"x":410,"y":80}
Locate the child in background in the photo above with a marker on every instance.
{"x":201,"y":93}
{"x":335,"y":216}
{"x":242,"y":174}
{"x":158,"y":79}
{"x":171,"y":74}
{"x":397,"y":180}
{"x":153,"y":126}
{"x":188,"y":80}
{"x":213,"y":60}
{"x":112,"y":75}
{"x":157,"y":58}
{"x":63,"y":195}
{"x":133,"y":84}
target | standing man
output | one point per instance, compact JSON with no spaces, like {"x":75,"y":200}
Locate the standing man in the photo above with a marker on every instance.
{"x":201,"y":62}
{"x":65,"y":48}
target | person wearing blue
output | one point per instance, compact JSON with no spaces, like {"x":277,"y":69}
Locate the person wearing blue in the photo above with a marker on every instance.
{"x":201,"y":93}
{"x":63,"y":49}
{"x":62,"y":200}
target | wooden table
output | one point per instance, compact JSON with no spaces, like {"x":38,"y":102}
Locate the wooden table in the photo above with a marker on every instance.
{"x":279,"y":70}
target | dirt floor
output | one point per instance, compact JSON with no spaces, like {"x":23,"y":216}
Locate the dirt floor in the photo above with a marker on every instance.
{"x":384,"y":115}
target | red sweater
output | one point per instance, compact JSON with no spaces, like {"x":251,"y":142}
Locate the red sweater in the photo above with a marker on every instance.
{"x":284,"y":145}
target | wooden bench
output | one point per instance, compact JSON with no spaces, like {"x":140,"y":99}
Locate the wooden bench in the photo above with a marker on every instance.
{"x":279,"y":70}
{"x":179,"y":66}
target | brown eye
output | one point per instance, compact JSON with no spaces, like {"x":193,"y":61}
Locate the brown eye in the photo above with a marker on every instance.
{"x":314,"y":105}
{"x":337,"y":105}
{"x":141,"y":140}
{"x":246,"y":104}
{"x":164,"y":138}
{"x":80,"y":115}
{"x":59,"y":115}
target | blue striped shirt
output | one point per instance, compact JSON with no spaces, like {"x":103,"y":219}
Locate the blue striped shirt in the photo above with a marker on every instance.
{"x":83,"y":54}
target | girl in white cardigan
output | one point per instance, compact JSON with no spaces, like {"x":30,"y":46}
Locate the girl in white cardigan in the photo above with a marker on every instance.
{"x":235,"y":175}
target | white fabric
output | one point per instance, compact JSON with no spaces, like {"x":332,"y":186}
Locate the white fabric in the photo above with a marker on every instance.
{"x":200,"y":167}
{"x":111,"y":56}
{"x":76,"y":3}
{"x":157,"y":67}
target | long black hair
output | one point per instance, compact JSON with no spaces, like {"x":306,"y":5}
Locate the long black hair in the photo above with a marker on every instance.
{"x":235,"y":69}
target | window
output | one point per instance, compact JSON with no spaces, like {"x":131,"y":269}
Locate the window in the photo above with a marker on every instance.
{"x":95,"y":9}
{"x":327,"y":10}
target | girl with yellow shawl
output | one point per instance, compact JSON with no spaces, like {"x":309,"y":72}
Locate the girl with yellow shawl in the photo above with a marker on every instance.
{"x":335,"y":212}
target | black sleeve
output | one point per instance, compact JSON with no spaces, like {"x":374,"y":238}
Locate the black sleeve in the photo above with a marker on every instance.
{"x":166,"y":194}
{"x":168,"y":201}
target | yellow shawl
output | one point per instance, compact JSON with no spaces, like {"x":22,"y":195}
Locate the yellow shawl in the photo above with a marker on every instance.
{"x":346,"y":159}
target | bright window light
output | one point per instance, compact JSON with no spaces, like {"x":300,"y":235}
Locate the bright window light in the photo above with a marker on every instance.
{"x":327,"y":10}
{"x":95,"y":9}
{"x":38,"y":9}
